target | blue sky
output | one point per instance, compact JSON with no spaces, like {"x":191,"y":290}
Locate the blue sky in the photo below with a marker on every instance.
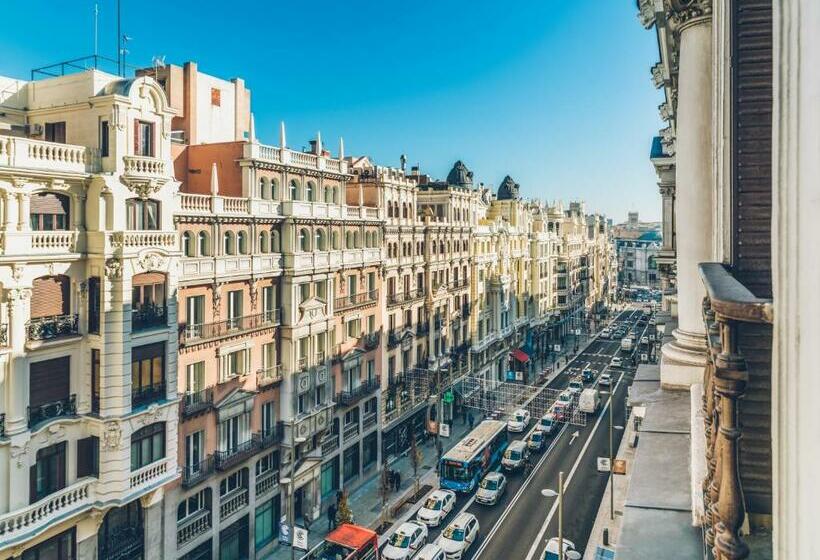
{"x":556,"y":93}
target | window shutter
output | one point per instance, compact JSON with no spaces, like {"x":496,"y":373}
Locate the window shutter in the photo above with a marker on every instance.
{"x":49,"y":380}
{"x":32,"y":483}
{"x":88,"y":457}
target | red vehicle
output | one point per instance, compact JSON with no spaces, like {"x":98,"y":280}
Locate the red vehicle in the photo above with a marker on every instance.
{"x":559,"y":412}
{"x":347,"y":542}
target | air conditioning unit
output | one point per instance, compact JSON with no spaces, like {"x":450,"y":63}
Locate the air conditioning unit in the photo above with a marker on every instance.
{"x":35,"y":129}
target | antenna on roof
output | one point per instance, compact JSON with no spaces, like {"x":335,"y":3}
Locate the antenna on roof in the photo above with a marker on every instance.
{"x":157,"y":62}
{"x":96,"y":17}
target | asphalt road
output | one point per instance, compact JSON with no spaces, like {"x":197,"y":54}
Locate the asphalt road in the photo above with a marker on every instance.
{"x":518,"y":526}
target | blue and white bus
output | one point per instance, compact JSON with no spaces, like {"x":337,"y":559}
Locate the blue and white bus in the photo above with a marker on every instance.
{"x":463,"y":466}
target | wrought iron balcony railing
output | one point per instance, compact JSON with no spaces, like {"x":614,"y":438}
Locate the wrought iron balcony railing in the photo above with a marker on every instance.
{"x":148,"y":317}
{"x":235,"y":455}
{"x":54,"y":409}
{"x":49,"y":328}
{"x":198,"y":401}
{"x":356,"y":300}
{"x":196,"y":473}
{"x":271,"y":436}
{"x":406,"y":296}
{"x":352,"y":396}
{"x":269,"y":375}
{"x":147,"y":394}
{"x":236,"y":325}
{"x":370,"y":341}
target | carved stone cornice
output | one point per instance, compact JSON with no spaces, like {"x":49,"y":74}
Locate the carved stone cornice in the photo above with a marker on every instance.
{"x":658,"y":71}
{"x":681,"y":12}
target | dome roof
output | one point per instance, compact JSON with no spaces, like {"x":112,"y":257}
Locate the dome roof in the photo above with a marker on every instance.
{"x":508,"y":190}
{"x":460,"y":176}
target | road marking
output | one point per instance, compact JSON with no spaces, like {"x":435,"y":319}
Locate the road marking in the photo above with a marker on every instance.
{"x":567,"y":481}
{"x":574,"y":437}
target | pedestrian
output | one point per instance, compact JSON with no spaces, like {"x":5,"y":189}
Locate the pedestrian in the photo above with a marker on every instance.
{"x":464,"y":414}
{"x":398,"y":481}
{"x":470,"y":420}
{"x":331,"y":517}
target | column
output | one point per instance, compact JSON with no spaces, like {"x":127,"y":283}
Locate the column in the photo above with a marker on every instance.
{"x":685,"y":357}
{"x":19,"y":302}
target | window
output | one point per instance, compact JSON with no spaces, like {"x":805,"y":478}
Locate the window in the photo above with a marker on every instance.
{"x":144,"y":139}
{"x":202,"y":244}
{"x":371,"y":370}
{"x":234,"y":431}
{"x":95,"y":381}
{"x":142,"y":214}
{"x":351,"y":463}
{"x":242,"y":243}
{"x":234,"y":364}
{"x":195,"y":377}
{"x":294,"y":190}
{"x":88,"y":457}
{"x":194,"y":504}
{"x":147,"y":445}
{"x":228,"y":247}
{"x":310,"y":190}
{"x":321,"y":290}
{"x":49,"y":212}
{"x":55,"y":132}
{"x":60,"y":547}
{"x":94,"y":305}
{"x":268,"y":463}
{"x":187,"y":244}
{"x":195,"y":308}
{"x":330,"y":477}
{"x":147,"y":373}
{"x":264,"y":242}
{"x":234,"y":481}
{"x":194,"y":450}
{"x":234,"y":306}
{"x":369,"y":450}
{"x":371,"y":281}
{"x":148,"y":291}
{"x":216,"y":97}
{"x":268,"y":416}
{"x":304,"y":292}
{"x":48,"y":474}
{"x":304,"y":240}
{"x":321,"y":240}
{"x":354,"y":328}
{"x":265,"y":527}
{"x":104,"y":144}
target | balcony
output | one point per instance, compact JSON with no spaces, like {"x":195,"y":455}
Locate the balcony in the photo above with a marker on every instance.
{"x":197,"y":402}
{"x":268,"y":376}
{"x":330,"y":443}
{"x":135,"y":240}
{"x":465,"y":310}
{"x":271,"y":436}
{"x":32,"y":519}
{"x":191,"y":334}
{"x":149,"y":474}
{"x":196,"y":473}
{"x":149,"y":317}
{"x":356,"y":300}
{"x":369,"y":420}
{"x":193,"y":526}
{"x":348,"y":398}
{"x":266,"y":482}
{"x":393,"y":338}
{"x":232,"y":502}
{"x":351,"y":431}
{"x":405,"y":297}
{"x":459,"y":284}
{"x":51,"y":328}
{"x":40,"y":413}
{"x":423,"y":328}
{"x":370,"y":341}
{"x":49,"y":156}
{"x":232,"y":457}
{"x":141,"y":396}
{"x":144,"y":166}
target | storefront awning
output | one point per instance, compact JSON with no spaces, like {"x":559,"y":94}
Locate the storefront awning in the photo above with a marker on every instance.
{"x":520,"y":355}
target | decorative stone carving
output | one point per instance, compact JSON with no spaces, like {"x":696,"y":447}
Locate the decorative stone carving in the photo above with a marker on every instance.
{"x":657,"y":74}
{"x":679,"y":12}
{"x":52,"y":434}
{"x":19,"y":453}
{"x":254,"y":293}
{"x":311,"y":310}
{"x":303,"y":382}
{"x":112,"y":436}
{"x":113,"y":268}
{"x":216,"y":300}
{"x":151,"y":416}
{"x":143,"y":187}
{"x":153,"y":260}
{"x":18,"y":294}
{"x":17,"y":270}
{"x":665,"y":110}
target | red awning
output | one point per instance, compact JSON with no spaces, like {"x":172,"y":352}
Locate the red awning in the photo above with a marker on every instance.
{"x":520,"y":355}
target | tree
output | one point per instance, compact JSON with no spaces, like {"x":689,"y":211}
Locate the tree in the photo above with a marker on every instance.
{"x":416,"y":459}
{"x":343,"y":512}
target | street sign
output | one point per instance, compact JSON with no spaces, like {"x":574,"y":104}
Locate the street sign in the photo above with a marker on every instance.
{"x":651,"y":337}
{"x":444,"y":429}
{"x":603,"y":464}
{"x":577,"y":332}
{"x":284,"y":531}
{"x":556,"y":348}
{"x":300,"y":538}
{"x":447,"y":397}
{"x":644,"y":357}
{"x":519,"y":376}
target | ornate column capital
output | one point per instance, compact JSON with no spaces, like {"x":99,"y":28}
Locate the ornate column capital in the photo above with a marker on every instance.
{"x":681,"y":12}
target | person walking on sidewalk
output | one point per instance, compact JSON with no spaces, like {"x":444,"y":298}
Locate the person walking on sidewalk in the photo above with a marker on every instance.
{"x":397,"y":480}
{"x":470,"y":420}
{"x":331,"y":517}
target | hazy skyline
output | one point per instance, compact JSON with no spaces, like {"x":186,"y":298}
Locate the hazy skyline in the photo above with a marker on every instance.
{"x":557,"y":95}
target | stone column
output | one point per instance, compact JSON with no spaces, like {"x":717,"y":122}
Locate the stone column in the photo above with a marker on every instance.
{"x":684,"y":358}
{"x":17,"y":381}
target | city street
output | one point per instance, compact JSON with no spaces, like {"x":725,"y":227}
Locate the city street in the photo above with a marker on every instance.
{"x":518,"y":527}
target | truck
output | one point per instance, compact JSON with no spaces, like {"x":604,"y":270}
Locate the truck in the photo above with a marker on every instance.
{"x":589,"y":401}
{"x":626,"y":344}
{"x":347,"y":542}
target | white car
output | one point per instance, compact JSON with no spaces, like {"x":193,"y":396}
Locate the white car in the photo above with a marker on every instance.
{"x":551,"y":553}
{"x":576,"y":386}
{"x":546,"y":424}
{"x":515,"y":455}
{"x":605,"y":379}
{"x":406,"y":541}
{"x":565,"y":397}
{"x":437,"y":507}
{"x":431,"y":552}
{"x":617,"y":361}
{"x":644,"y":340}
{"x":519,"y":421}
{"x":458,"y":536}
{"x":491,"y":488}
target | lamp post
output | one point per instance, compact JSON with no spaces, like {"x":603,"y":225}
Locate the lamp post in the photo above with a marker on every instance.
{"x":548,"y":493}
{"x":290,"y":483}
{"x":611,"y":479}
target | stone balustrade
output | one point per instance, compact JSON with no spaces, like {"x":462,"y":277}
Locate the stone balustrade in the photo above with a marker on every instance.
{"x":27,"y":153}
{"x":266,"y":482}
{"x":294,"y":158}
{"x":233,"y":502}
{"x":143,"y":239}
{"x":149,"y":474}
{"x":144,"y":165}
{"x":193,"y":526}
{"x":30,"y":520}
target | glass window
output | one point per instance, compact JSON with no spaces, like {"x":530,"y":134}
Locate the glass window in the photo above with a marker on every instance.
{"x":202,"y":244}
{"x":142,"y":214}
{"x":49,"y":212}
{"x":60,"y":547}
{"x":265,"y":523}
{"x":330,"y":477}
{"x":147,"y":445}
{"x":49,"y":472}
{"x":55,"y":132}
{"x":351,"y":463}
{"x":144,"y":139}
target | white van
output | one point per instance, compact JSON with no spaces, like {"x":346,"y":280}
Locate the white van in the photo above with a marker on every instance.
{"x":589,"y":401}
{"x":431,"y":552}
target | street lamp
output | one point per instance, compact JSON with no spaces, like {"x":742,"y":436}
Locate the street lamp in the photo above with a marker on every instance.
{"x":549,"y":493}
{"x":290,"y":483}
{"x":611,"y":479}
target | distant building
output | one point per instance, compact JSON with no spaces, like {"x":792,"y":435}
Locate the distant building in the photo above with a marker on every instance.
{"x":637,"y":245}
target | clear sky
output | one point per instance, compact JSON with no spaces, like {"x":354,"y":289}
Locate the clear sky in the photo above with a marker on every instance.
{"x":556,"y":93}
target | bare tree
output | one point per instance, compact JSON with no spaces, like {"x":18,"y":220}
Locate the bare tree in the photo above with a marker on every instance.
{"x":416,"y":460}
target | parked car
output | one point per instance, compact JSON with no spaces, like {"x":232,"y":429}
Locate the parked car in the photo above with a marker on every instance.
{"x":536,"y":441}
{"x":431,"y":552}
{"x":491,"y":488}
{"x":605,"y":379}
{"x":519,"y":421}
{"x":437,"y":507}
{"x":406,"y":541}
{"x":458,"y":536}
{"x":589,"y":401}
{"x":617,"y":361}
{"x":546,"y":424}
{"x":551,"y":552}
{"x":515,"y":455}
{"x":604,"y":334}
{"x":587,"y":376}
{"x":576,"y":386}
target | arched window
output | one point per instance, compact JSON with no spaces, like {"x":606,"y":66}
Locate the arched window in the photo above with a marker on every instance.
{"x":274,"y":241}
{"x":263,"y":242}
{"x":274,"y":189}
{"x":187,"y":246}
{"x":404,"y":210}
{"x":49,"y":212}
{"x":264,"y":188}
{"x":304,"y":240}
{"x":228,"y":247}
{"x":321,"y":240}
{"x":349,"y":241}
{"x":242,"y":242}
{"x":328,"y":195}
{"x":358,"y":239}
{"x":310,"y":191}
{"x":335,"y":238}
{"x":294,"y":189}
{"x":335,"y":195}
{"x":202,"y":244}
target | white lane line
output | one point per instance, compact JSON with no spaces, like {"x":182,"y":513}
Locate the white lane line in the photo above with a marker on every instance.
{"x":508,"y":507}
{"x":537,"y":542}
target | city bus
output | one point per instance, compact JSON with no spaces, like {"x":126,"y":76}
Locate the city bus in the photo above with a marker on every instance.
{"x":463,"y":466}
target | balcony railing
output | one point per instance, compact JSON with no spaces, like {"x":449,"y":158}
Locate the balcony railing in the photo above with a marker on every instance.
{"x":196,"y":473}
{"x":233,"y":502}
{"x":144,"y":165}
{"x":193,"y":526}
{"x":55,"y":409}
{"x":369,"y":420}
{"x":266,"y":482}
{"x":231,"y":457}
{"x":269,"y":375}
{"x":728,"y":305}
{"x":51,"y":156}
{"x":393,"y":338}
{"x":405,"y":297}
{"x":123,"y":543}
{"x":356,"y":300}
{"x":197,"y":402}
{"x":229,"y":327}
{"x":351,"y":431}
{"x":423,"y":328}
{"x":148,"y":317}
{"x":370,"y":341}
{"x":147,"y":394}
{"x":49,"y":328}
{"x":330,"y":443}
{"x":271,"y":436}
{"x":352,"y":396}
